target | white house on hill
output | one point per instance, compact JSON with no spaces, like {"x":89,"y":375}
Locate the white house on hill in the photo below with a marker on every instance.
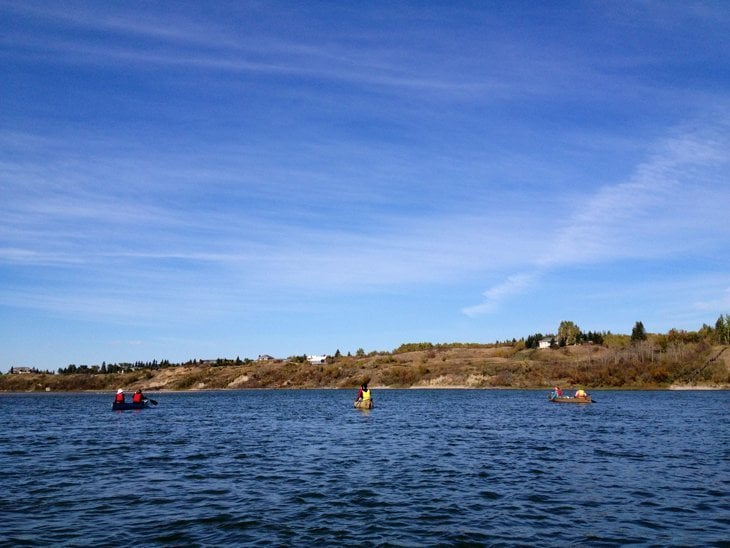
{"x":315,"y":359}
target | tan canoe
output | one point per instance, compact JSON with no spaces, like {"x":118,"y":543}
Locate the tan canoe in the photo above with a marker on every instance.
{"x":569,"y":399}
{"x":363,"y":404}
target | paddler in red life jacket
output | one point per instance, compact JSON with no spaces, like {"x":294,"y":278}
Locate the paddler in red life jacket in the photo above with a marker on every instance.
{"x":119,"y":398}
{"x":138,"y":397}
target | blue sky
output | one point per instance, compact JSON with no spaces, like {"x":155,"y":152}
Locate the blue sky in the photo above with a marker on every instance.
{"x":197,"y":180}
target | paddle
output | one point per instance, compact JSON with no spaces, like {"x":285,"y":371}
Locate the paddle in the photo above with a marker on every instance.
{"x":153,"y":402}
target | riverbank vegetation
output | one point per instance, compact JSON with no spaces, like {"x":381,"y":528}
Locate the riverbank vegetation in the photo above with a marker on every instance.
{"x":569,"y":359}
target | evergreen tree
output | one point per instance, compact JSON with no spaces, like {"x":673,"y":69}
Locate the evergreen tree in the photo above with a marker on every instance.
{"x":722,"y":329}
{"x":533,"y":341}
{"x":638,"y":333}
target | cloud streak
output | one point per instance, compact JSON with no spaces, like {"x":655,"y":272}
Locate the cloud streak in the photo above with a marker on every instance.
{"x":214,"y":49}
{"x":515,"y":284}
{"x":71,"y":222}
{"x":673,"y":204}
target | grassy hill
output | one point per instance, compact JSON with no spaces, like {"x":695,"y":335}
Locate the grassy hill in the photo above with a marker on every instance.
{"x":649,"y":364}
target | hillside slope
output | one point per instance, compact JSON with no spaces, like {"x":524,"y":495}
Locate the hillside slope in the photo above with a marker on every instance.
{"x":448,"y":366}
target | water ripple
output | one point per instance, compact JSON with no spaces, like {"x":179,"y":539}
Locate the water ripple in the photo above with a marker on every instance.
{"x":425,"y":468}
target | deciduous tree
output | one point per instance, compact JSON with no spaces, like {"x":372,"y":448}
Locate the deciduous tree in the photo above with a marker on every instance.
{"x":568,"y":333}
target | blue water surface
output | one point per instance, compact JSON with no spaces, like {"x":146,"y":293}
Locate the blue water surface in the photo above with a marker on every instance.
{"x":424,"y":468}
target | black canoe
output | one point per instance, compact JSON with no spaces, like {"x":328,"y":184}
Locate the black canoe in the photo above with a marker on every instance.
{"x":129,"y":405}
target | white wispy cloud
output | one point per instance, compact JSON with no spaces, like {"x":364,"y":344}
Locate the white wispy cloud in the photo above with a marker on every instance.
{"x":494,"y":296}
{"x":187,"y":44}
{"x":502,"y":71}
{"x":82,"y":223}
{"x":675,"y":203}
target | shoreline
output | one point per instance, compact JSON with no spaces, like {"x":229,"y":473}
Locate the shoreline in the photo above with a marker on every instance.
{"x":673,"y":388}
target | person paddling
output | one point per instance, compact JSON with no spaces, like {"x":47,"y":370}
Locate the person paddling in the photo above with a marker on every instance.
{"x":119,"y":398}
{"x":363,"y":395}
{"x":138,"y":397}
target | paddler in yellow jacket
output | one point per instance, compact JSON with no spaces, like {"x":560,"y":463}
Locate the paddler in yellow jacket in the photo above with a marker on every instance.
{"x":363,"y":394}
{"x":580,"y":393}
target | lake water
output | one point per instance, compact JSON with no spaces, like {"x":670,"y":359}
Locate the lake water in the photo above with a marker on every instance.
{"x":425,"y":467}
